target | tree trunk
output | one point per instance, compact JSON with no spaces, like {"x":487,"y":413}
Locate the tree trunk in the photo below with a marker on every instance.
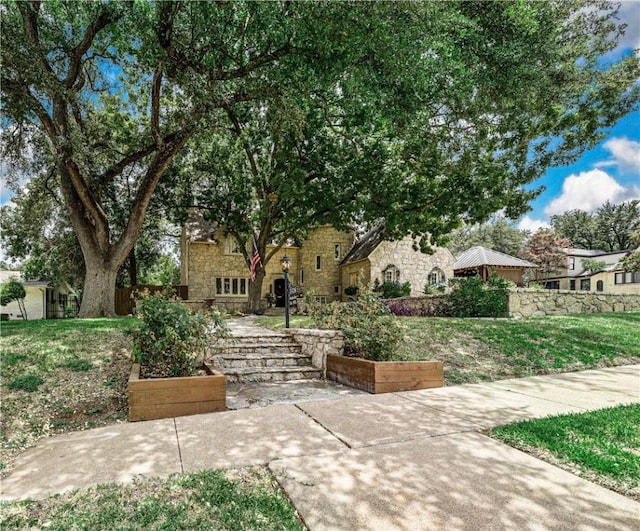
{"x":99,"y":294}
{"x":255,"y":292}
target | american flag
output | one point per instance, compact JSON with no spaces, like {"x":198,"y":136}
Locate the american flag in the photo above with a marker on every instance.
{"x":255,"y":261}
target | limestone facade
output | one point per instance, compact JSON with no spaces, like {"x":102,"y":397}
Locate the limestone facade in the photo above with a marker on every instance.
{"x":215,"y":270}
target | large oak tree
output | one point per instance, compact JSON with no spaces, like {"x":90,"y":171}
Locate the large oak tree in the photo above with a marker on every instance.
{"x":450,"y":109}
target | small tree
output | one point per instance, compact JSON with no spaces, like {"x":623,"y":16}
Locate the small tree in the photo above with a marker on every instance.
{"x":593,"y":266}
{"x":13,"y":290}
{"x":546,"y":249}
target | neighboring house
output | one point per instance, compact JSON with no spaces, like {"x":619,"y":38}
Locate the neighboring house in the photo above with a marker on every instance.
{"x":43,"y":300}
{"x":611,"y":279}
{"x":326,"y":263}
{"x":482,"y":262}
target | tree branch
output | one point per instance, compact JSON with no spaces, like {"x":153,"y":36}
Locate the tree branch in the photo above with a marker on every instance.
{"x":155,"y":105}
{"x":104,"y":18}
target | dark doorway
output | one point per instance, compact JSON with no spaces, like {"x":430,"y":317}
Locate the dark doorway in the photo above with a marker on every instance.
{"x":278,"y":290}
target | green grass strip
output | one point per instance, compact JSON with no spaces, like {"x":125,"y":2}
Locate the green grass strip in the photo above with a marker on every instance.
{"x":239,"y":499}
{"x":604,"y":442}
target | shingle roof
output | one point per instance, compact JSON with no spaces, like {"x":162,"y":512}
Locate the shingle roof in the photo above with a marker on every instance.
{"x":365,"y":245}
{"x":481,"y":256}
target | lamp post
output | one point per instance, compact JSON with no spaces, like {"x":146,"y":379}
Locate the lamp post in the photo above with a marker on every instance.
{"x":285,"y":264}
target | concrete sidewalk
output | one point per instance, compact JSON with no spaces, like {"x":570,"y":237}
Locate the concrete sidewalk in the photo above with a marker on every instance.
{"x":412,"y":460}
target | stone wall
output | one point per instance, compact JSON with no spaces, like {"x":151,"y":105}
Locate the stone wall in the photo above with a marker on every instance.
{"x":317,"y":344}
{"x":528,"y":302}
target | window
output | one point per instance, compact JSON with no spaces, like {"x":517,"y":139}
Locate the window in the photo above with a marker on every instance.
{"x":572,"y":285}
{"x":302,"y":276}
{"x":231,"y":246}
{"x":585,"y":284}
{"x":318,"y":263}
{"x":572,"y":263}
{"x":437,"y":276}
{"x":599,"y":285}
{"x":336,"y":290}
{"x":321,"y":299}
{"x":337,"y":254}
{"x":391,"y":274}
{"x":231,"y":286}
{"x":62,"y":299}
{"x":353,"y":279}
{"x":628,"y":278}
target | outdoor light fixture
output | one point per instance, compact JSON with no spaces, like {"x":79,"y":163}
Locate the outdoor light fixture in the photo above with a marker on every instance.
{"x":285,"y":264}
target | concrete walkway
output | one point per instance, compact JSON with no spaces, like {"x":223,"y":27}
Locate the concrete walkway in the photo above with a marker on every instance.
{"x":399,"y":461}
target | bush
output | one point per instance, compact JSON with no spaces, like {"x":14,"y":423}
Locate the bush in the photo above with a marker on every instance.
{"x":172,"y":341}
{"x":393,"y":290}
{"x":402,"y":308}
{"x":470,"y":297}
{"x":368,"y":326}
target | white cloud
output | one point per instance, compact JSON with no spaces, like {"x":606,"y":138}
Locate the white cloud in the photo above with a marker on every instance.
{"x":630,"y":15}
{"x":588,"y":190}
{"x":531,"y":224}
{"x":626,"y":153}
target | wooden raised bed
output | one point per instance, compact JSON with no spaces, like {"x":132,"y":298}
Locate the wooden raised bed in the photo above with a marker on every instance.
{"x":384,"y":376}
{"x":159,"y":398}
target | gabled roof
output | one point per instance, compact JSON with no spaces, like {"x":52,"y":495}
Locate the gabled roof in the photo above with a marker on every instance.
{"x":365,"y":245}
{"x":481,"y":256}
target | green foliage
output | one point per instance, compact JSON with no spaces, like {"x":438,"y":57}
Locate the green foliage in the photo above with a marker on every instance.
{"x":470,"y":297}
{"x":171,"y":340}
{"x":433,"y":289}
{"x":593,"y":266}
{"x":12,"y":290}
{"x":631,"y":262}
{"x":369,"y":328}
{"x":392,"y":290}
{"x":611,"y":227}
{"x":351,"y":291}
{"x":498,"y":234}
{"x":27,"y":382}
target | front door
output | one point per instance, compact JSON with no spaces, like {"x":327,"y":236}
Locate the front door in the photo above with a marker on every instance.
{"x":278,"y":290}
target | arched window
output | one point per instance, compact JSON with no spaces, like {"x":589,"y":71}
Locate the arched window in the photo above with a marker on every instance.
{"x":391,"y":274}
{"x":437,"y":276}
{"x":599,"y":285}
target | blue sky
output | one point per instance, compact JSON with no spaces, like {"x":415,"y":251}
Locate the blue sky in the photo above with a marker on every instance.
{"x":611,"y":170}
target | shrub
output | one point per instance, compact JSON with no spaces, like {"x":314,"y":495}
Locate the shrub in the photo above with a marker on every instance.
{"x":404,"y":309}
{"x":393,"y":290}
{"x":470,"y":297}
{"x":368,"y":326}
{"x":78,"y":364}
{"x":171,"y":340}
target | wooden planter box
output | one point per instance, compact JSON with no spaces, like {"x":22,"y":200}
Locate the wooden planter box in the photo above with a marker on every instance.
{"x":385,"y":376}
{"x":159,"y":398}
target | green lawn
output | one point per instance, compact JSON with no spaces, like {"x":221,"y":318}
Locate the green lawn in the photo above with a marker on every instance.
{"x":236,"y":499}
{"x":475,"y":350}
{"x":602,"y":446}
{"x":58,"y":376}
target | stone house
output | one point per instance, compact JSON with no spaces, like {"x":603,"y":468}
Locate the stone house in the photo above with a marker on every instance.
{"x":374,"y":260}
{"x":327,"y":262}
{"x":611,"y":279}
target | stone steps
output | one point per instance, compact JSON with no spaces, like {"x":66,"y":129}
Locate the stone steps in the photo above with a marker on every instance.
{"x":269,"y":358}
